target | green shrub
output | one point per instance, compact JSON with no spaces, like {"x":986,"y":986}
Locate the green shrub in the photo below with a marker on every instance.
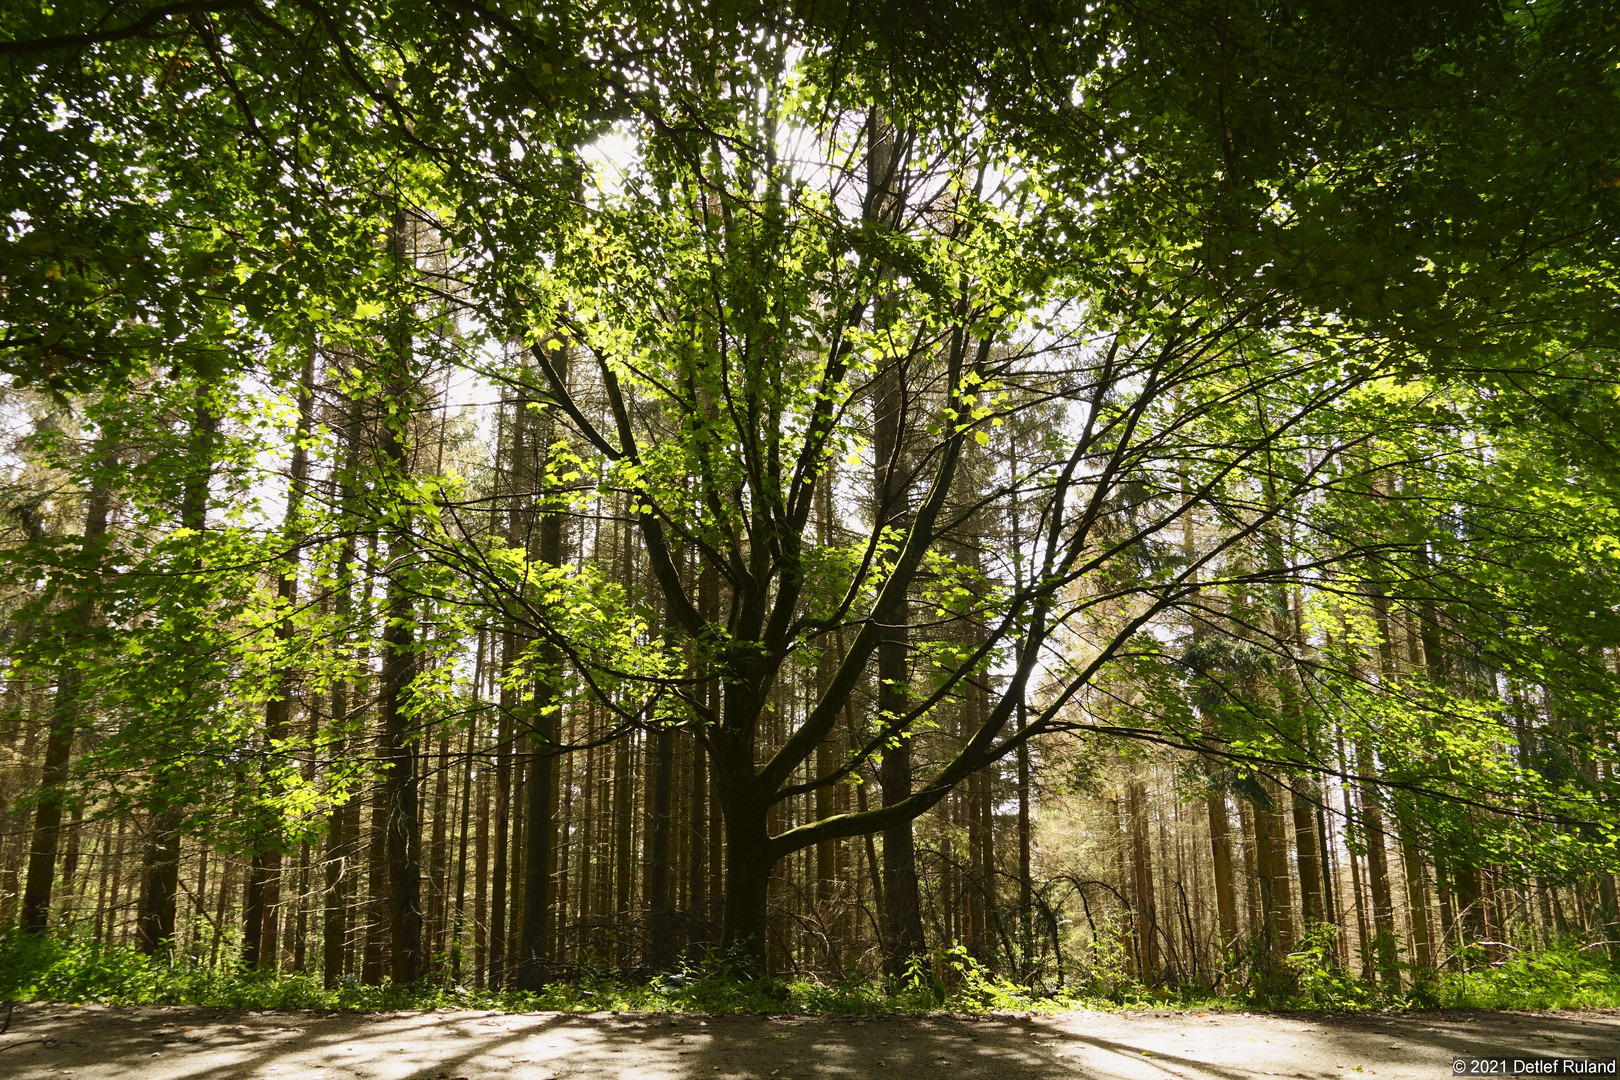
{"x":1318,"y":981}
{"x":36,"y":968}
{"x":1565,"y":976}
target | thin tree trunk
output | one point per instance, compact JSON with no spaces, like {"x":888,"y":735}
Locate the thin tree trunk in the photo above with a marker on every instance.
{"x":544,"y":736}
{"x":464,"y":828}
{"x":481,"y":877}
{"x":622,"y":855}
{"x":1257,"y":863}
{"x":1383,"y":904}
{"x":825,"y":760}
{"x":1142,"y":891}
{"x":64,"y":725}
{"x":161,"y":864}
{"x":334,"y":924}
{"x":375,"y":957}
{"x":1417,"y":898}
{"x":661,"y":942}
{"x":339,"y":837}
{"x":697,"y":887}
{"x":439,"y":853}
{"x":263,"y":889}
{"x":501,"y":829}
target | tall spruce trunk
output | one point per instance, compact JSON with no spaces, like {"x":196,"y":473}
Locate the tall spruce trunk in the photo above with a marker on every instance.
{"x":342,"y":823}
{"x":1286,"y":630}
{"x":504,"y":935}
{"x":1417,"y":898}
{"x":708,"y":842}
{"x":500,"y":829}
{"x":661,"y":930}
{"x":826,"y":886}
{"x":336,"y":871}
{"x":481,"y":877}
{"x":263,"y":887}
{"x":1383,"y":903}
{"x":1142,"y":891}
{"x":161,"y":862}
{"x":902,"y":913}
{"x":539,"y":836}
{"x":373,"y":958}
{"x":1263,"y":897}
{"x":1307,"y":855}
{"x":399,"y":777}
{"x":1215,"y":809}
{"x":1384,"y":939}
{"x":439,"y":853}
{"x":544,"y":736}
{"x":623,"y":831}
{"x":46,"y":835}
{"x":1220,"y":843}
{"x":1026,"y":878}
{"x":1282,"y":885}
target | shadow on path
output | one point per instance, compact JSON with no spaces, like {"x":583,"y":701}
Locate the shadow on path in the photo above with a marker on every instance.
{"x":97,"y":1043}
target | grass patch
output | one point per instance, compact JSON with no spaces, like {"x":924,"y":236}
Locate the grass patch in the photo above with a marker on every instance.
{"x":1564,"y":977}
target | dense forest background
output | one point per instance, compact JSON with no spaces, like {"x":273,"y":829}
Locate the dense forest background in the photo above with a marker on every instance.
{"x":1090,"y":493}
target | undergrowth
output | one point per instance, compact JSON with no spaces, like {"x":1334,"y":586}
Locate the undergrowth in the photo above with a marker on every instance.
{"x":1566,"y":976}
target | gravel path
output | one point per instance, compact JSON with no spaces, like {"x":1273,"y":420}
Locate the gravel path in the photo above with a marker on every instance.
{"x":98,"y":1043}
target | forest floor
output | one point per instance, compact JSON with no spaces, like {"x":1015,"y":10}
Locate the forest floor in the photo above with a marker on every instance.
{"x":185,"y":1043}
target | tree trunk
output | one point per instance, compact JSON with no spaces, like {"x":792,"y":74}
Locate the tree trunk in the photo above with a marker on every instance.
{"x":338,"y":872}
{"x":399,"y":778}
{"x":161,"y":877}
{"x":826,"y":884}
{"x":162,"y":861}
{"x":1220,"y":842}
{"x":377,"y":935}
{"x":263,"y":889}
{"x":1142,"y":892}
{"x":1417,"y":897}
{"x":464,"y":835}
{"x":438,"y":854}
{"x":748,"y":876}
{"x":45,"y":838}
{"x":544,"y":736}
{"x":1026,"y":888}
{"x":540,"y":837}
{"x":1383,"y":904}
{"x":334,"y":924}
{"x":1282,"y":885}
{"x":500,"y":831}
{"x":697,"y":880}
{"x":708,"y":842}
{"x":1330,"y":905}
{"x":1307,"y":856}
{"x":902,"y":913}
{"x":1263,"y":913}
{"x":661,"y":943}
{"x":481,"y":868}
{"x":623,"y":827}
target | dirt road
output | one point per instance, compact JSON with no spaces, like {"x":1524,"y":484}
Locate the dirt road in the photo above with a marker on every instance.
{"x":97,"y":1043}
